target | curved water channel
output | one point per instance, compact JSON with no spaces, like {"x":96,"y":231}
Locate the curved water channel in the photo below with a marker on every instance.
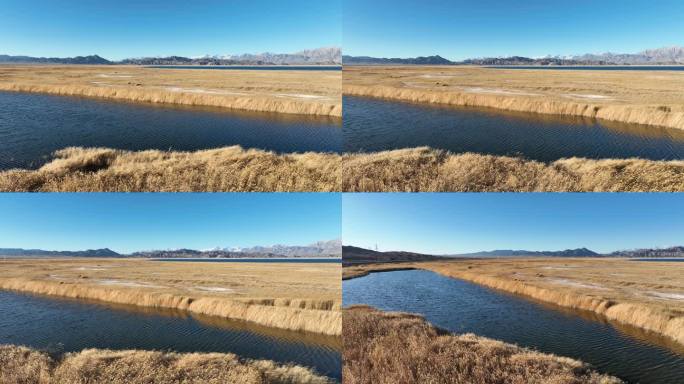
{"x":65,"y":325}
{"x":627,"y":352}
{"x":372,"y":125}
{"x":33,"y":126}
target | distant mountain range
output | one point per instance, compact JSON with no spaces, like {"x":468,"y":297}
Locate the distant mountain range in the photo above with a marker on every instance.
{"x":331,"y":248}
{"x":357,"y":255}
{"x":579,"y":252}
{"x":660,"y":56}
{"x":651,"y":252}
{"x":318,"y":56}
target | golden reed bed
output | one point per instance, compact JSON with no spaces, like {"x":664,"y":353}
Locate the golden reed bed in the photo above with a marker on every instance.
{"x":620,"y":290}
{"x":402,"y":348}
{"x":298,"y":297}
{"x":640,"y":97}
{"x":295,"y":92}
{"x":21,"y":365}
{"x":233,"y":169}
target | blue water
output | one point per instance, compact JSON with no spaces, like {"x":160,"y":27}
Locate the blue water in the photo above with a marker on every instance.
{"x":594,"y":67}
{"x":459,"y":306}
{"x":680,"y":260}
{"x":66,"y":325}
{"x":33,"y":126}
{"x":254,"y":67}
{"x":254,"y":260}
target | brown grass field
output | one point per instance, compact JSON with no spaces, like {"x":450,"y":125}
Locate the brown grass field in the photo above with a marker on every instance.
{"x":298,"y":92}
{"x":401,"y":348}
{"x":299,"y":297}
{"x":641,"y":97}
{"x":234,"y":169}
{"x":646,"y":295}
{"x":21,"y":365}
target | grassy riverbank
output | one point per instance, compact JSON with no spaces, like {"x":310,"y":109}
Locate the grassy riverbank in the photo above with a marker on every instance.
{"x":300,"y":297}
{"x":296,"y":92}
{"x":233,"y":169}
{"x":390,"y":347}
{"x":641,"y":97}
{"x":21,"y":365}
{"x":620,"y":290}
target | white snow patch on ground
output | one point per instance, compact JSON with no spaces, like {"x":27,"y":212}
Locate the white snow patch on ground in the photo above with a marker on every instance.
{"x":202,"y":90}
{"x":498,"y":91}
{"x":114,"y":76}
{"x":666,"y":295}
{"x":214,"y":289}
{"x":588,"y":97}
{"x":437,"y":76}
{"x":124,"y":283}
{"x":90,"y":269}
{"x":577,"y":284}
{"x":558,"y":268}
{"x":300,"y":95}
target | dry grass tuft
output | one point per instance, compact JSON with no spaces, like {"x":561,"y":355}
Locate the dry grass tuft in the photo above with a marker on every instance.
{"x":227,"y":169}
{"x":21,"y":365}
{"x":386,"y":347}
{"x":233,"y":169}
{"x":430,"y":170}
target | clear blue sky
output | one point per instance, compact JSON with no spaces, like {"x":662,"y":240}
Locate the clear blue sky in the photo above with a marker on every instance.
{"x":450,"y":223}
{"x":459,"y":29}
{"x":133,"y":28}
{"x":131,"y":222}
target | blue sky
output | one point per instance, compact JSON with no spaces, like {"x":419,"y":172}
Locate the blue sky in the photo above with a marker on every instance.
{"x":458,"y":223}
{"x":134,"y":28}
{"x":459,"y":29}
{"x":131,"y":222}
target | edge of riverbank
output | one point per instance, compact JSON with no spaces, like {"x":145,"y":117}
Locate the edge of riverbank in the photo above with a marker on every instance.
{"x":622,"y":113}
{"x":296,"y":315}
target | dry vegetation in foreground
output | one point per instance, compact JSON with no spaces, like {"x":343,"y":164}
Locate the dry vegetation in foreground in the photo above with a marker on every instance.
{"x":620,"y":290}
{"x":298,"y":92}
{"x":234,"y":169}
{"x":641,"y":97}
{"x":230,"y":169}
{"x":299,"y":297}
{"x":21,"y":365}
{"x":390,"y":347}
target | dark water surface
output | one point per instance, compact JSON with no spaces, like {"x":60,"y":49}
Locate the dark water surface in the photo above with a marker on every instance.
{"x":376,"y":125}
{"x":254,"y":67}
{"x":458,"y":306}
{"x":256,"y":260}
{"x":70,"y":325}
{"x":595,"y":67}
{"x":33,"y":126}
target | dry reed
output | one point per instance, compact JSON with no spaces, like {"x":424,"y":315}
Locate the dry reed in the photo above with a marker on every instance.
{"x":233,"y":169}
{"x":398,"y":348}
{"x":292,"y":92}
{"x":21,"y":365}
{"x":296,"y":318}
{"x":649,"y":98}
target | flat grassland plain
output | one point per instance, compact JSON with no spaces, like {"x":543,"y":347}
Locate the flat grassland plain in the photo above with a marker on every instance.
{"x":292,"y":296}
{"x":643,"y":97}
{"x":394,"y":347}
{"x":229,"y":169}
{"x":301,"y":92}
{"x":622,"y":290}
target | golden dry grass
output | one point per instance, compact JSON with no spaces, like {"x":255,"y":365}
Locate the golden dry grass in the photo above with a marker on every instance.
{"x":233,"y":169}
{"x":230,"y":169}
{"x":298,"y":92}
{"x":641,"y":97}
{"x":401,"y":348}
{"x":21,"y":365}
{"x":646,"y":295}
{"x":300,"y":297}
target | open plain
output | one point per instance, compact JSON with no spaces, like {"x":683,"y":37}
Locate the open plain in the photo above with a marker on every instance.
{"x":641,"y":97}
{"x":300,"y":92}
{"x":292,"y":296}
